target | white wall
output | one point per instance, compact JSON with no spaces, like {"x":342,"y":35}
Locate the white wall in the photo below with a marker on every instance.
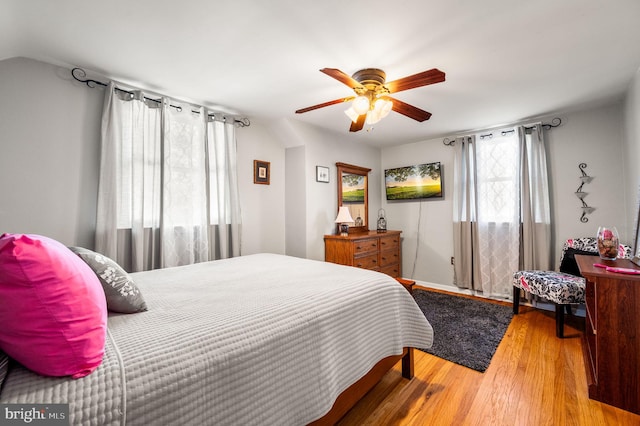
{"x":49,"y":161}
{"x":315,"y":207}
{"x":263,"y":218}
{"x":49,"y":152}
{"x":295,"y":202}
{"x":427,"y":226}
{"x":322,"y":198}
{"x":631,"y":151}
{"x":594,"y":137}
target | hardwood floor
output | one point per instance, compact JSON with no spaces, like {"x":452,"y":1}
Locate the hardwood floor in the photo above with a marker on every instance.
{"x":534,"y":379}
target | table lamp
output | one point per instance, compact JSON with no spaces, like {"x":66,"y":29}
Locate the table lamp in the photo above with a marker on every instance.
{"x":344,"y":218}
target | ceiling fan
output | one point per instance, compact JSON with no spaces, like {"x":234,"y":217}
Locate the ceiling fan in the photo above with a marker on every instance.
{"x":372,"y":101}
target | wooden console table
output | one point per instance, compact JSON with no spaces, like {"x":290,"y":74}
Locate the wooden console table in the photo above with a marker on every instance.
{"x":379,"y":251}
{"x":611,"y":343}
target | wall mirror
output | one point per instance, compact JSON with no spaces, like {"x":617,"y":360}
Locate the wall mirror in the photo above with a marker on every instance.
{"x":353,"y":193}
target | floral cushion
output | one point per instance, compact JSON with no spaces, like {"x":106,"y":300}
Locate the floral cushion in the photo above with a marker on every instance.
{"x":591,"y":244}
{"x":559,"y":287}
{"x":554,"y":286}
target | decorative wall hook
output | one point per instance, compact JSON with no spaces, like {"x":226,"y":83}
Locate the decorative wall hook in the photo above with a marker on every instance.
{"x":584,"y":178}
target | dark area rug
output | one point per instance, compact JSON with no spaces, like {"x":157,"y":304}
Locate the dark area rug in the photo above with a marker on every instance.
{"x":465,"y":331}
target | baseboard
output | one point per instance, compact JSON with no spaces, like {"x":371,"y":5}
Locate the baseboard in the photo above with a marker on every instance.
{"x":578,"y":310}
{"x":444,"y":287}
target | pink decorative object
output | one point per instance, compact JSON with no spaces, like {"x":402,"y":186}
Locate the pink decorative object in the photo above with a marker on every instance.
{"x":608,"y":243}
{"x":52,"y":307}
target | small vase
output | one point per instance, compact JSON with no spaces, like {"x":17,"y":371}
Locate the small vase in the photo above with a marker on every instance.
{"x":608,"y":243}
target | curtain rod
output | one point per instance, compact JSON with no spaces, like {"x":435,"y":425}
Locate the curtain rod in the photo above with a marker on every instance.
{"x":555,"y":122}
{"x":239,"y":121}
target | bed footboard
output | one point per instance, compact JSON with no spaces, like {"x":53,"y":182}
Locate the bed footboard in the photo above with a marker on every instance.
{"x":347,"y":399}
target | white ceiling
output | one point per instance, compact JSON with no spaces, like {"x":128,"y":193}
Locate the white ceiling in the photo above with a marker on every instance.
{"x":505,"y":60}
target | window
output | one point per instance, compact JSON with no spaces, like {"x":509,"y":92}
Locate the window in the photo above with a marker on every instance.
{"x":497,"y":179}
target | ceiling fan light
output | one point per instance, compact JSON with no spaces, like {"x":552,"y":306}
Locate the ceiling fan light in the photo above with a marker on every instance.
{"x":384,"y":107}
{"x":352,"y":114}
{"x":360,"y":105}
{"x":373,"y":117}
{"x":380,"y":110}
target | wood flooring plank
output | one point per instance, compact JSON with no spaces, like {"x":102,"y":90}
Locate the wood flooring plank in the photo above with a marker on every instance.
{"x":534,"y":379}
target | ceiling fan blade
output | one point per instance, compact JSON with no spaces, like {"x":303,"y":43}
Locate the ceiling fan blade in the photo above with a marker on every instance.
{"x":358,"y":125}
{"x":341,"y":77}
{"x":333,"y":102}
{"x":417,"y":80}
{"x":408,"y":110}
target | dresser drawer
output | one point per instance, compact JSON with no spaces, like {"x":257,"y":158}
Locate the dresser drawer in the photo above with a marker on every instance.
{"x":393,"y":271}
{"x":365,"y":246}
{"x":389,"y":257}
{"x":390,"y":242}
{"x":368,"y":250}
{"x":367,"y":262}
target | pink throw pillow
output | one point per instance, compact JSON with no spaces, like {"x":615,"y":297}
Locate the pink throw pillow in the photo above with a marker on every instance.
{"x":53,"y":312}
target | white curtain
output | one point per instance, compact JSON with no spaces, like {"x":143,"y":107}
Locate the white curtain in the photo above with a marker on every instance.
{"x":168,"y":193}
{"x":498,"y":213}
{"x":501,"y":209}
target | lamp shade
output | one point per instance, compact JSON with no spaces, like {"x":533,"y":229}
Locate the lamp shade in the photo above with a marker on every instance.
{"x":343,"y":215}
{"x":380,"y":110}
{"x":360,"y":105}
{"x":352,"y":114}
{"x":384,"y":107}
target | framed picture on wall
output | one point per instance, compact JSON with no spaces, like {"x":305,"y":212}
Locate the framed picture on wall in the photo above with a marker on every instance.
{"x":261,"y":172}
{"x":322,"y":174}
{"x":423,"y":181}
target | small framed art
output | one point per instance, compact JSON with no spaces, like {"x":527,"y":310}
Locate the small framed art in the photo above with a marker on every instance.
{"x":261,"y":172}
{"x":322,"y":174}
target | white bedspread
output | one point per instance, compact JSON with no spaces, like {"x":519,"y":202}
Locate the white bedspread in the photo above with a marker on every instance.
{"x":262,"y":339}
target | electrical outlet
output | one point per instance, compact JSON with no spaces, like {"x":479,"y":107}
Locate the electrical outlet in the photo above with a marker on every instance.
{"x":452,"y":260}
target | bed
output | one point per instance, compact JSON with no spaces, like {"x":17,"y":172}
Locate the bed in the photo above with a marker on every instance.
{"x":257,"y":339}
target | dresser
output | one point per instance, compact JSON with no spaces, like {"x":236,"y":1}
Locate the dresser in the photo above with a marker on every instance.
{"x":612,"y":333}
{"x":379,"y":251}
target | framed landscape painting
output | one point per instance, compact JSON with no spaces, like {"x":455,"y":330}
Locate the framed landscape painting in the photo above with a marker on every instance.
{"x":423,"y":181}
{"x":352,"y":188}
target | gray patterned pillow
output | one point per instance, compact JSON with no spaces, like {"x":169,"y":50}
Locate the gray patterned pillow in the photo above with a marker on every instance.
{"x":121,"y":292}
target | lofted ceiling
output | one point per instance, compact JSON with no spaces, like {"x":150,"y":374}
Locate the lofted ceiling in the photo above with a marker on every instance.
{"x":505,"y":61}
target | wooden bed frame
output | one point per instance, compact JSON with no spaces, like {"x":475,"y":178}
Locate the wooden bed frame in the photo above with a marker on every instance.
{"x":347,"y":399}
